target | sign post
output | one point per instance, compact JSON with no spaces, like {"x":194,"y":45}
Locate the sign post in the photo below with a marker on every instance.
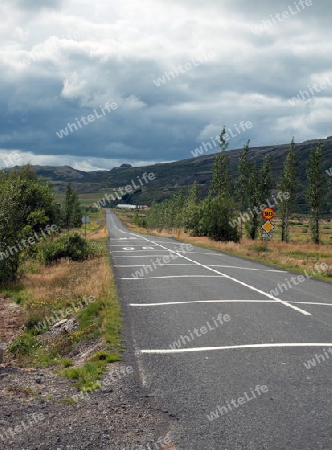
{"x":85,"y":220}
{"x":267,"y":214}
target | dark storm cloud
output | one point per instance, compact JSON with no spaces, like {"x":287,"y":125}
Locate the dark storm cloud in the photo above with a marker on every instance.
{"x":121,"y":52}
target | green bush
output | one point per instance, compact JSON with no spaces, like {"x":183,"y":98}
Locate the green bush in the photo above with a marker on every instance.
{"x":70,"y":245}
{"x":24,"y":344}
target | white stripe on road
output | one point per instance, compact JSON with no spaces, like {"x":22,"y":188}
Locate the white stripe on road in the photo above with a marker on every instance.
{"x":247,"y":268}
{"x":202,"y":301}
{"x":133,"y":250}
{"x":129,"y":240}
{"x":224,"y":301}
{"x":138,"y":256}
{"x":232,"y":347}
{"x":302,"y":311}
{"x":313,"y":303}
{"x":210,"y":265}
{"x":145,"y":265}
{"x":174,"y":276}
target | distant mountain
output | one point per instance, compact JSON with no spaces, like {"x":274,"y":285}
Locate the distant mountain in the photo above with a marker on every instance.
{"x":169,"y":177}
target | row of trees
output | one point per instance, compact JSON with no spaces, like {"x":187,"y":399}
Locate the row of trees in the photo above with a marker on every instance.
{"x":233,"y":205}
{"x":28,"y":207}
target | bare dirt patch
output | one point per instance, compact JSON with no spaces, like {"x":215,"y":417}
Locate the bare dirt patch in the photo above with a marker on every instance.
{"x":11,"y":321}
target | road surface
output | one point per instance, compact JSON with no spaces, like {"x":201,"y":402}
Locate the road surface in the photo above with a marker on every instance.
{"x":237,"y":366}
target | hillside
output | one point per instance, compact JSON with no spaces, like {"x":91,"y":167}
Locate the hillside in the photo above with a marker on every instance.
{"x":171,"y":176}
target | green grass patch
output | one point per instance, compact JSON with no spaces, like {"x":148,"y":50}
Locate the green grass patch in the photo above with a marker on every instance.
{"x":102,"y":355}
{"x":16,"y":292}
{"x":66,"y":362}
{"x":86,"y":377}
{"x":301,"y":254}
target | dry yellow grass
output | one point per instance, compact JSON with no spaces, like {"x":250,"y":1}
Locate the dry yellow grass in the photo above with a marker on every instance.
{"x":68,"y":280}
{"x":298,"y":256}
{"x":101,"y":233}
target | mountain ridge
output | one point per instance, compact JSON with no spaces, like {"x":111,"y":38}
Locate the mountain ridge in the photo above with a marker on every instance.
{"x":171,"y":176}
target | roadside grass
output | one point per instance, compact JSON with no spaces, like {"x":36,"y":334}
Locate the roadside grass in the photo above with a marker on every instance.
{"x":60,"y":291}
{"x":87,"y":377}
{"x":298,"y":255}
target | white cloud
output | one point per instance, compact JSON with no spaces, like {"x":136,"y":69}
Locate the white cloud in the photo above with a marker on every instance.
{"x":79,"y":57}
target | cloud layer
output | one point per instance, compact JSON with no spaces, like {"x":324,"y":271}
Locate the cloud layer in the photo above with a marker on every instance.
{"x":218,"y":63}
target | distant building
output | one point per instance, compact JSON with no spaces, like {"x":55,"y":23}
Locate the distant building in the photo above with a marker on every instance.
{"x":125,"y":206}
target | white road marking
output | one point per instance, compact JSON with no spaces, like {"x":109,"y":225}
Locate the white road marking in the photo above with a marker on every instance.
{"x":201,"y":301}
{"x":302,"y":311}
{"x":137,"y":256}
{"x":247,"y":268}
{"x":210,"y":265}
{"x":223,"y":301}
{"x":132,"y":249}
{"x":174,"y":276}
{"x":132,"y":245}
{"x":232,"y":347}
{"x":313,"y":303}
{"x":144,"y":265}
{"x":123,"y":239}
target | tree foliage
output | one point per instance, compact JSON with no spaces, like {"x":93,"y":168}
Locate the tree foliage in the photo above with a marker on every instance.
{"x":245,"y":167}
{"x":72,"y":210}
{"x":287,"y":183}
{"x":230,"y":202}
{"x":316,"y":191}
{"x":26,"y":206}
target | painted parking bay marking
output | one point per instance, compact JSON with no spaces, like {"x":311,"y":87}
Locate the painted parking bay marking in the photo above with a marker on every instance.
{"x":234,"y":347}
{"x":133,"y":248}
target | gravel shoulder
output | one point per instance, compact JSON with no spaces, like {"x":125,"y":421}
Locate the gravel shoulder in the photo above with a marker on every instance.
{"x":38,"y":410}
{"x":118,"y":416}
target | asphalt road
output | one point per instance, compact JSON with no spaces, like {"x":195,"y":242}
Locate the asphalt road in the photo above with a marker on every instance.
{"x":209,"y":337}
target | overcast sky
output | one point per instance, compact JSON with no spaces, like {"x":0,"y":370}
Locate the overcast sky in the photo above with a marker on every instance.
{"x":219,"y":62}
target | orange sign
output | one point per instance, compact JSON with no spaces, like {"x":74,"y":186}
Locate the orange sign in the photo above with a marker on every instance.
{"x":267,"y":227}
{"x":268,"y":213}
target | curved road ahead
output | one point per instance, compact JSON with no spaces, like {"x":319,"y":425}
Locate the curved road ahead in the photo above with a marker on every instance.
{"x":237,"y":366}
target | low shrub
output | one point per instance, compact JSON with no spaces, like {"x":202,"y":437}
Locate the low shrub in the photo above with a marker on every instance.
{"x":24,"y":345}
{"x":70,"y":245}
